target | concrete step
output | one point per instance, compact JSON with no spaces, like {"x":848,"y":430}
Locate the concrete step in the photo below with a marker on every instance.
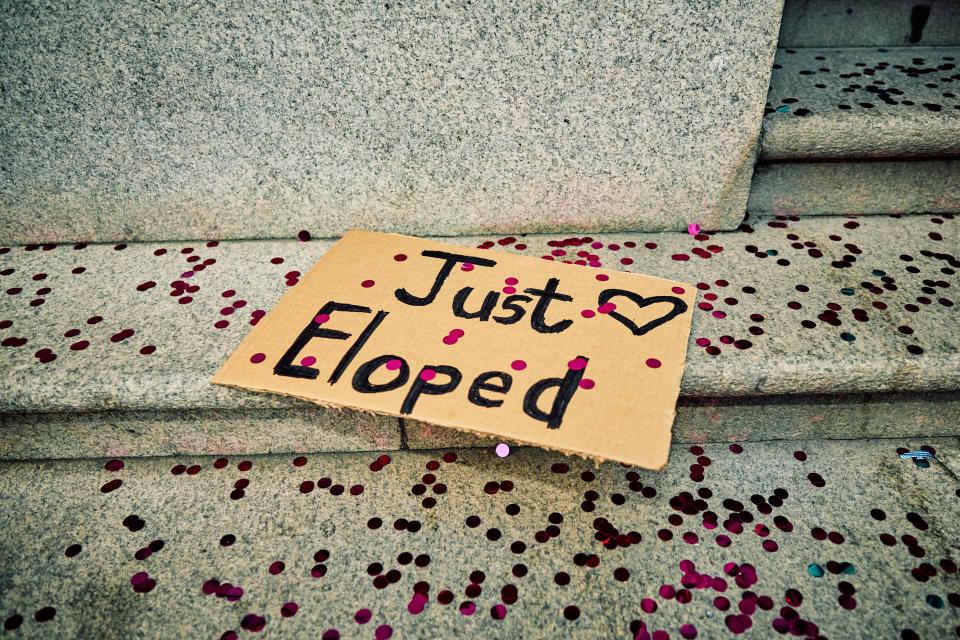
{"x":860,"y":130}
{"x":808,"y":327}
{"x":863,"y":103}
{"x":869,"y":23}
{"x":184,"y":120}
{"x":822,"y":539}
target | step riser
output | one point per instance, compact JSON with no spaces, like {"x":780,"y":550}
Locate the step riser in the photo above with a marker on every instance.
{"x":869,"y":23}
{"x":312,"y":430}
{"x":839,"y":188}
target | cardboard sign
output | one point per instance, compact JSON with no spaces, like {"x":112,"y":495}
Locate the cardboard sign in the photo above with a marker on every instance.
{"x":567,"y":357}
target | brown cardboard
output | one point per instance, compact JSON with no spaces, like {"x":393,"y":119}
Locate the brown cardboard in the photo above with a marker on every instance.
{"x":620,"y":406}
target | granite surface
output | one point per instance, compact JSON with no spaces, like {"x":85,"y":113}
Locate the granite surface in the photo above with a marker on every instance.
{"x":869,"y":23}
{"x":897,"y":102}
{"x":254,"y":119}
{"x":88,"y":549}
{"x":862,"y":187}
{"x":765,"y":418}
{"x":308,"y":428}
{"x":124,"y":334}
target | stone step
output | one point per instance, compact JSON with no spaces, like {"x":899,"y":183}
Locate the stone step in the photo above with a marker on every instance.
{"x":817,"y":326}
{"x":184,"y":120}
{"x":863,"y":103}
{"x":869,"y":23}
{"x":834,"y":143}
{"x":819,"y":538}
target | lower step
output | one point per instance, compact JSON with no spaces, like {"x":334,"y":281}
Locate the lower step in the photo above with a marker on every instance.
{"x":317,"y":429}
{"x":820,"y":538}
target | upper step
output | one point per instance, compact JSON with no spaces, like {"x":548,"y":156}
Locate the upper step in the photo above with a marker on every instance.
{"x":180,"y":120}
{"x":787,"y":306}
{"x":870,"y":23}
{"x":863,"y":103}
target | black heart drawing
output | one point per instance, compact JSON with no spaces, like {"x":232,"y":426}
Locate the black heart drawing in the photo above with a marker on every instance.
{"x":679,"y":306}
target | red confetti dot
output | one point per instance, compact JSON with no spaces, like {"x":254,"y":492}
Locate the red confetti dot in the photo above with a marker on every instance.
{"x":400,"y":257}
{"x":258,"y":358}
{"x":122,"y":335}
{"x":653,"y":363}
{"x":366,"y":284}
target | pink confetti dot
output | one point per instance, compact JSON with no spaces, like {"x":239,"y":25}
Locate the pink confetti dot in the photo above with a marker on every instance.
{"x":653,"y":363}
{"x":577,"y":364}
{"x":456,"y":333}
{"x":321,"y":318}
{"x":449,"y":340}
{"x":602,"y":277}
{"x":366,"y":284}
{"x":587,"y":313}
{"x":511,"y":281}
{"x":428,"y":374}
{"x":693,"y":229}
{"x":509,"y":290}
{"x":606,"y":307}
{"x":503,"y":450}
{"x":678,"y":290}
{"x":719,"y":314}
{"x":310,"y":360}
{"x":466,"y":266}
{"x":587,"y":383}
{"x":518,"y":365}
{"x":258,"y":358}
{"x":394,"y":364}
{"x":400,"y":257}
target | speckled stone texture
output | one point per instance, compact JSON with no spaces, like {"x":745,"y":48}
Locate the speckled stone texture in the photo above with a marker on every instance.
{"x":827,"y":103}
{"x":807,"y":307}
{"x":808,"y":524}
{"x":838,"y":188}
{"x":182,"y":120}
{"x":869,"y":23}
